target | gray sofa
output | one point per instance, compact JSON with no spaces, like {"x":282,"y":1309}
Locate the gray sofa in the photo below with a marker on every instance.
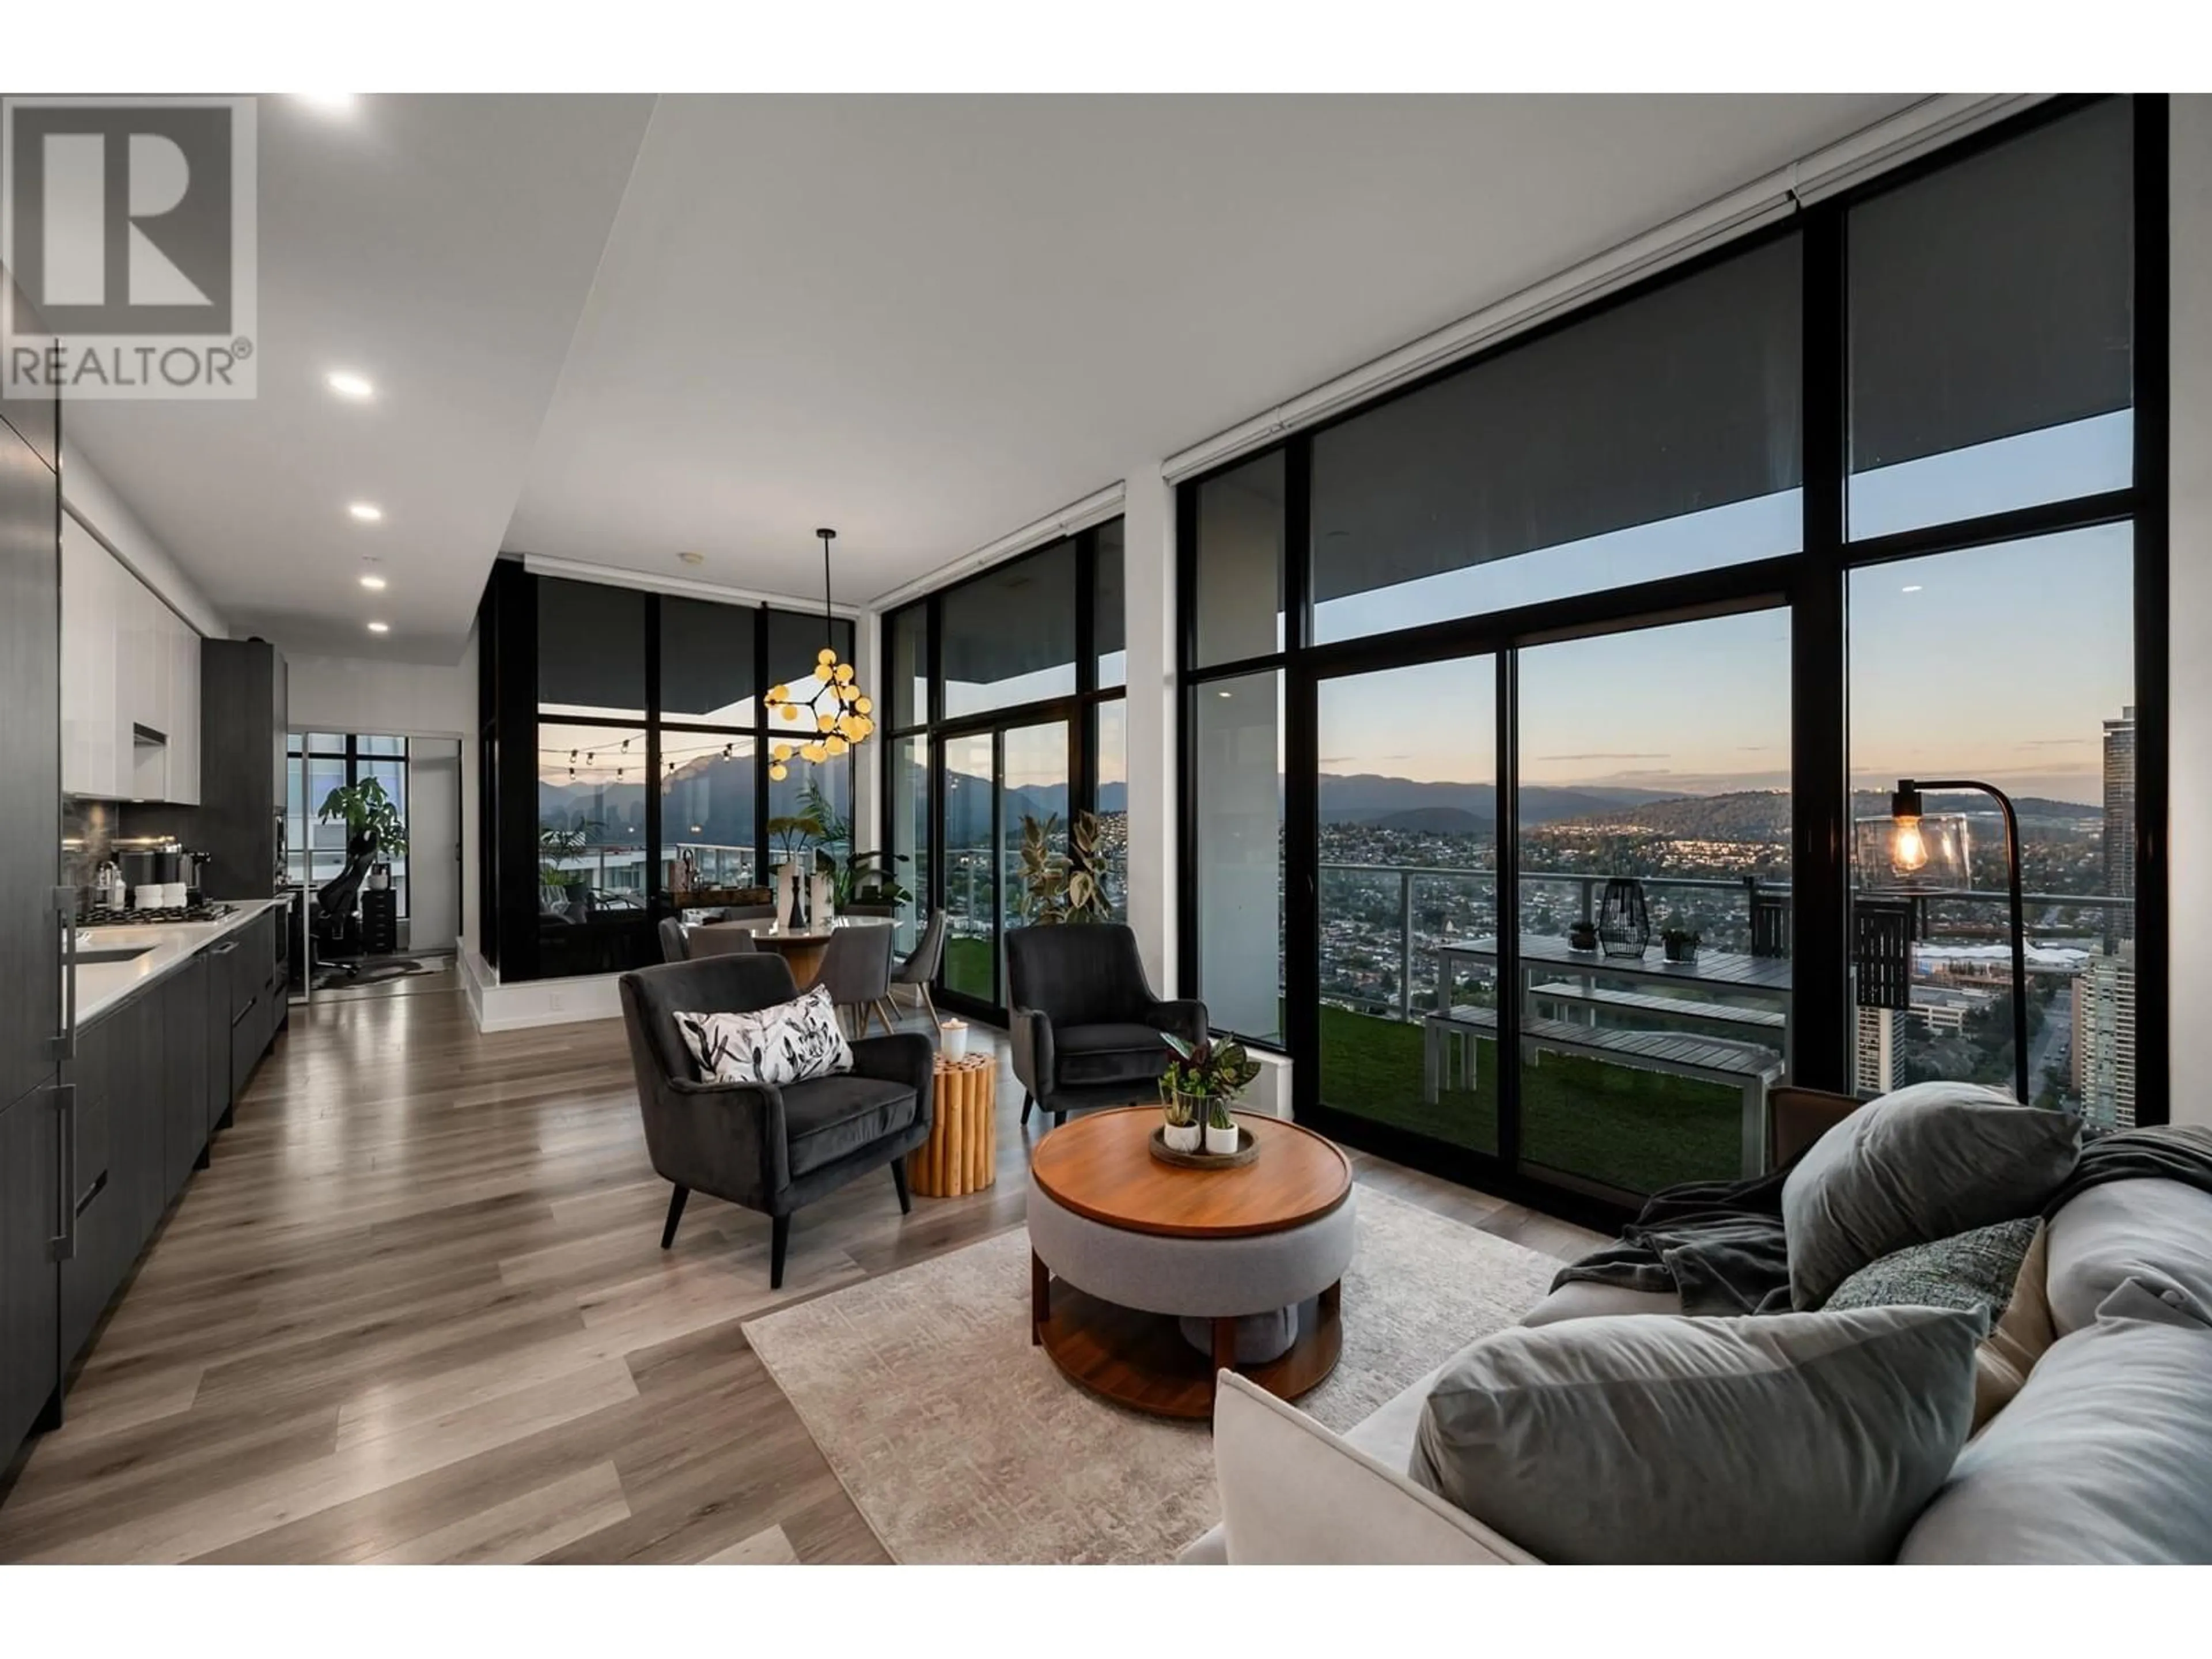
{"x":2104,"y":1454}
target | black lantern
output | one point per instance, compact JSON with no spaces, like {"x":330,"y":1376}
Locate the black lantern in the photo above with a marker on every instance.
{"x":1624,"y":923}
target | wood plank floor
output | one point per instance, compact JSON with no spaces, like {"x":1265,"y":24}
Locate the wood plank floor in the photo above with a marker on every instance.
{"x":416,"y":1312}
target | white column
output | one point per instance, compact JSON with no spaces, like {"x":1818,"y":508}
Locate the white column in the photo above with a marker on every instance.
{"x":2189,"y":746}
{"x":1148,"y":531}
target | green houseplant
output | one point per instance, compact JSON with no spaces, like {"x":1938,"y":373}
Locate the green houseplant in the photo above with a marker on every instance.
{"x":855,"y":877}
{"x":367,"y":810}
{"x":1060,"y":887}
{"x":1680,"y":944}
{"x":1199,"y":1089}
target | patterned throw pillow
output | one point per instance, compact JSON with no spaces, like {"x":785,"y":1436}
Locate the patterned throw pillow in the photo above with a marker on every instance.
{"x":1974,"y":1269}
{"x":2000,"y":1268}
{"x":787,"y":1043}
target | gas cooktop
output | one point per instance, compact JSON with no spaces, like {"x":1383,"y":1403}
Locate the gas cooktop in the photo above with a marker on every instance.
{"x":101,"y":916}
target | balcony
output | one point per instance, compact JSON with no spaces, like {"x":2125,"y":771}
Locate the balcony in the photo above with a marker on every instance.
{"x":1383,"y":928}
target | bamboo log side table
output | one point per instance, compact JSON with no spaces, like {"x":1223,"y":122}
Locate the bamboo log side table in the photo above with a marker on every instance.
{"x":961,"y":1155}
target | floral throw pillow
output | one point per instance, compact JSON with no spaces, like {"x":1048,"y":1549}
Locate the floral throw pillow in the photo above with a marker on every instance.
{"x":787,"y":1043}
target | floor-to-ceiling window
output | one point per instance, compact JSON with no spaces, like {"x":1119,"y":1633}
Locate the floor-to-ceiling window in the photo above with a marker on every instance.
{"x":631,"y":732}
{"x":1532,"y":708}
{"x":316,"y":763}
{"x":1005,"y":700}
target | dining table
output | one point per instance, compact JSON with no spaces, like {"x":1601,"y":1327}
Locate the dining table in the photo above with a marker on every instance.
{"x":801,"y":944}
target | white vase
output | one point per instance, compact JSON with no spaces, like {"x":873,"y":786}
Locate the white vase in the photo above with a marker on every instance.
{"x":1183,"y":1136}
{"x":787,"y":893}
{"x":821,"y":899}
{"x":1221,"y":1142}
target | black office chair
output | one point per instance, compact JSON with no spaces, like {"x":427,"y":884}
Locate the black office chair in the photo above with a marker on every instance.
{"x":337,"y":922}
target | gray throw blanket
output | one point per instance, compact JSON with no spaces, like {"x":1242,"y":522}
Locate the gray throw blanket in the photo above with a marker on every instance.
{"x":1719,"y":1245}
{"x":2179,"y":1152}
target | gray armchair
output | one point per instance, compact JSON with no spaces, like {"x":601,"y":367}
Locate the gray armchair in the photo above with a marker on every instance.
{"x":1087,"y":1025}
{"x":768,"y":1148}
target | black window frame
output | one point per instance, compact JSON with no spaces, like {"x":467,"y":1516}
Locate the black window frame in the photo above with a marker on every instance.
{"x":508,"y":730}
{"x":1811,"y":582}
{"x":1080,"y":708}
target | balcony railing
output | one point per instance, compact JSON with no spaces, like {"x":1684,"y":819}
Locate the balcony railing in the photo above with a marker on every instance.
{"x":1415,"y":945}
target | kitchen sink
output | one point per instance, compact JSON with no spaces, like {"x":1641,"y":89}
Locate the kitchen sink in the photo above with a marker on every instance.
{"x":114,"y":953}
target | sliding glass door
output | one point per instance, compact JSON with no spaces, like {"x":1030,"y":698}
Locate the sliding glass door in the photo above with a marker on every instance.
{"x":995,"y":782}
{"x":1406,"y":813}
{"x":1651,"y":961}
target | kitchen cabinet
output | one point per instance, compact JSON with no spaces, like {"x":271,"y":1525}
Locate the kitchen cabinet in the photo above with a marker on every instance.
{"x":34,"y":1110}
{"x":241,"y":812}
{"x":30,"y":765}
{"x":30,"y":1219}
{"x":130,"y":669}
{"x":184,"y":1039}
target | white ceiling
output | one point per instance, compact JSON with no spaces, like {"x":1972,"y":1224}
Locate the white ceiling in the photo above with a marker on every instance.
{"x":927,"y":321}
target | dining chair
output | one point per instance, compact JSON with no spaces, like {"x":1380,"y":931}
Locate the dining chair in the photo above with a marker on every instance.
{"x":856,"y":967}
{"x":919,"y":971}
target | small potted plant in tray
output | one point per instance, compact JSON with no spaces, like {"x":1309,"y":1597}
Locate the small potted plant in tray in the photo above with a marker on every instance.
{"x":1680,"y":944}
{"x":1199,"y":1088}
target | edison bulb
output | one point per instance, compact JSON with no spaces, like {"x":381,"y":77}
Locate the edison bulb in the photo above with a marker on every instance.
{"x":1908,"y":849}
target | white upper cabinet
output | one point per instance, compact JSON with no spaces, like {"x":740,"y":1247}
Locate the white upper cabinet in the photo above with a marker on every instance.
{"x":131,"y":683}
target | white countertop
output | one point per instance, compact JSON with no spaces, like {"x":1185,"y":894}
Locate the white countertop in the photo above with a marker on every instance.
{"x":169,"y":945}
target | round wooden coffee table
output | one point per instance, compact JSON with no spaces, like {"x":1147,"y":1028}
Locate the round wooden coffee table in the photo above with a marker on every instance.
{"x":1128,"y":1254}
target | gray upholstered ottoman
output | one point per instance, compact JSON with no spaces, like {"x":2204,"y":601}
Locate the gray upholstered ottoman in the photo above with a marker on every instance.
{"x":1133,"y":1261}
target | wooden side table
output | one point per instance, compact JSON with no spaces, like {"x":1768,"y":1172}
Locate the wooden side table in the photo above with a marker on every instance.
{"x":961,"y":1155}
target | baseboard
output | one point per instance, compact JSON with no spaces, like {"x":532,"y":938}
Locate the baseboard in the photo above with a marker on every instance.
{"x":497,"y":1007}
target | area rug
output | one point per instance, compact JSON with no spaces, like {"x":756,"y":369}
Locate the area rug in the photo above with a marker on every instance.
{"x":961,"y":1442}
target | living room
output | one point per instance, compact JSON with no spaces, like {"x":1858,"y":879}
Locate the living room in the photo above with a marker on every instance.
{"x":811,"y":828}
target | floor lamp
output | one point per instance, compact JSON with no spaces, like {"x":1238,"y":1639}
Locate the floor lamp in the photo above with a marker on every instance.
{"x":1909,"y":854}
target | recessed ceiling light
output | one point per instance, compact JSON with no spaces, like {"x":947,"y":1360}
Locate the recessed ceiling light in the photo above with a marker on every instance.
{"x":375,"y":583}
{"x":330,"y":103}
{"x":365,"y":513}
{"x":380,"y":628}
{"x":1913,"y":588}
{"x":689,"y":557}
{"x":347,"y":384}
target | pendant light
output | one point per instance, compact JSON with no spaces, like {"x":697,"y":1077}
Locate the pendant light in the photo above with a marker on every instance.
{"x":840,"y":711}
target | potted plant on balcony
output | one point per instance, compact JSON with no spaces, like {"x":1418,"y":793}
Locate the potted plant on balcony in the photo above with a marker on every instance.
{"x":1681,"y":943}
{"x":1198,"y":1090}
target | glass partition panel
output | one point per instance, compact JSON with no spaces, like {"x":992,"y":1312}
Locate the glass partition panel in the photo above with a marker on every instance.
{"x":1239,"y":562}
{"x":1010,"y":634}
{"x":971,"y":899}
{"x":1654,"y":933}
{"x":1649,"y":439}
{"x":2013,"y":664}
{"x":706,"y":662}
{"x":1992,"y":329}
{"x":709,"y":807}
{"x":1236,"y":725}
{"x":1408,"y":821}
{"x":590,"y":649}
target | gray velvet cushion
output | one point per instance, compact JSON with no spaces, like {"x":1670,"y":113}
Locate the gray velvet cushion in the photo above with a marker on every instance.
{"x":2157,"y":1230}
{"x":1117,"y":1053}
{"x":2105,"y":1456}
{"x":1782,"y":1437}
{"x":829,"y":1117}
{"x":1921,"y":1164}
{"x":1975,"y":1269}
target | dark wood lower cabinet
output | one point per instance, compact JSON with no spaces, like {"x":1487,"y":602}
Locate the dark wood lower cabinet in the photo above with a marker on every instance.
{"x":31,"y":1127}
{"x":152,"y":1079}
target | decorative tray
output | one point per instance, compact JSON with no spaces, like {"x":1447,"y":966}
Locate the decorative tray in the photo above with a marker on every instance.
{"x":1247,"y":1148}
